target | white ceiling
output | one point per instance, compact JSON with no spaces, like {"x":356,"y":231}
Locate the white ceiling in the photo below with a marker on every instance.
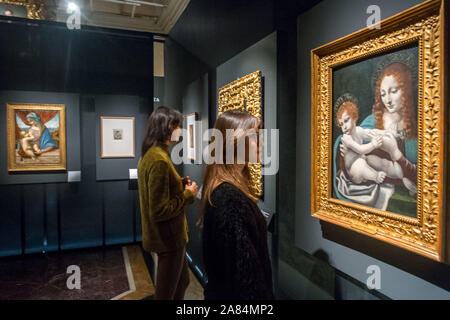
{"x":157,"y":18}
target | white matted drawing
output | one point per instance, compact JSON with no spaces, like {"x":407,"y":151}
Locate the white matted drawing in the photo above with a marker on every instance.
{"x":117,"y":137}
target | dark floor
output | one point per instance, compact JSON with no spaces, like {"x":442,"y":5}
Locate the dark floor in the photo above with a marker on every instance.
{"x":44,"y":276}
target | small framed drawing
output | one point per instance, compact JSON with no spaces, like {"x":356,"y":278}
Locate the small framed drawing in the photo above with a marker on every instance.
{"x":192,"y":141}
{"x":117,"y":137}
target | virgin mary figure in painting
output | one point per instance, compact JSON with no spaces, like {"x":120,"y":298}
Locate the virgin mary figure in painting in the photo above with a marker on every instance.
{"x":36,"y":140}
{"x":388,"y":138}
{"x":394,"y":111}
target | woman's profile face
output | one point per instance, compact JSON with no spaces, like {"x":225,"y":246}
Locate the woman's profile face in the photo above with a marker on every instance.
{"x":176,"y":133}
{"x":391,"y":94}
{"x":255,"y":145}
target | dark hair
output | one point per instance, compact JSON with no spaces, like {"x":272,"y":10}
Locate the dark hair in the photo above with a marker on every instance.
{"x":160,"y":125}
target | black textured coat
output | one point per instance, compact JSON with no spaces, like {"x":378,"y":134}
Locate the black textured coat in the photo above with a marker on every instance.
{"x":235,"y":247}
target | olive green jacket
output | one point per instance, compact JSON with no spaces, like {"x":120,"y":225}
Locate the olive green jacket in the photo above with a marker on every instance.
{"x":163,"y":199}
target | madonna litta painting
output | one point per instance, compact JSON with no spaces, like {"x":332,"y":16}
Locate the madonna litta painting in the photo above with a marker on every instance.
{"x":36,"y":137}
{"x":379,"y":136}
{"x":375,"y":132}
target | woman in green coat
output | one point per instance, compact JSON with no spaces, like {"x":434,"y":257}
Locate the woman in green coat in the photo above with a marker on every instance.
{"x":163,"y":196}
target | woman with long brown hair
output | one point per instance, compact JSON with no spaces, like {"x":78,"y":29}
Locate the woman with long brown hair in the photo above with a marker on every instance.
{"x":235,"y":232}
{"x":163,"y":197}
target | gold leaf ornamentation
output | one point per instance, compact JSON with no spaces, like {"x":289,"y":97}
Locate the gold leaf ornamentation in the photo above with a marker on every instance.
{"x":35,"y":8}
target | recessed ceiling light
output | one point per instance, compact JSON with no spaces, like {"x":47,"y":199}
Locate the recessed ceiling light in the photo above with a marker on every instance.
{"x":72,"y":6}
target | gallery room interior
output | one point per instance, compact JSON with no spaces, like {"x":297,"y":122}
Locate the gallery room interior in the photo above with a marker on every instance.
{"x":354,"y":95}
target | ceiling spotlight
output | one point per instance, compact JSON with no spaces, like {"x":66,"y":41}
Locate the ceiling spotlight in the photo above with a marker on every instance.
{"x":137,"y":3}
{"x":72,"y":6}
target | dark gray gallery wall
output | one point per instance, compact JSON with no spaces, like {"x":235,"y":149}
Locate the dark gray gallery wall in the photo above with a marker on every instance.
{"x":187,"y":89}
{"x":180,"y":69}
{"x":403,"y":275}
{"x":214,"y":31}
{"x":47,"y":216}
{"x":92,"y":212}
{"x":195,"y":99}
{"x":120,"y":106}
{"x":158,"y":99}
{"x":261,"y":56}
{"x":218,"y":23}
{"x":88,"y":71}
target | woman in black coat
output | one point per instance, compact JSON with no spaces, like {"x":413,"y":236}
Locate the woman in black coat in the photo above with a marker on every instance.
{"x":235,"y":232}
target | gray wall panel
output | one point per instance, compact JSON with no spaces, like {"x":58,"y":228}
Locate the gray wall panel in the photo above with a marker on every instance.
{"x":261,"y":56}
{"x":51,"y":227}
{"x":41,"y":211}
{"x":119,"y":221}
{"x":10,"y":220}
{"x":81,"y":213}
{"x":195,"y":99}
{"x":34,"y":215}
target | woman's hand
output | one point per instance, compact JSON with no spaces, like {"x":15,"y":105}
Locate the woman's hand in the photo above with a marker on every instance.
{"x":192,"y":187}
{"x":186,"y":181}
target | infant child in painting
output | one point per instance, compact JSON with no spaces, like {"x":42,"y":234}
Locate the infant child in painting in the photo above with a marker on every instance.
{"x":362,"y":167}
{"x":28,"y":148}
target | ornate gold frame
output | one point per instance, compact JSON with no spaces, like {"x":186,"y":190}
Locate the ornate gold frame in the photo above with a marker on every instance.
{"x":245,"y":94}
{"x":424,"y":235}
{"x":35,"y":8}
{"x":10,"y":120}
